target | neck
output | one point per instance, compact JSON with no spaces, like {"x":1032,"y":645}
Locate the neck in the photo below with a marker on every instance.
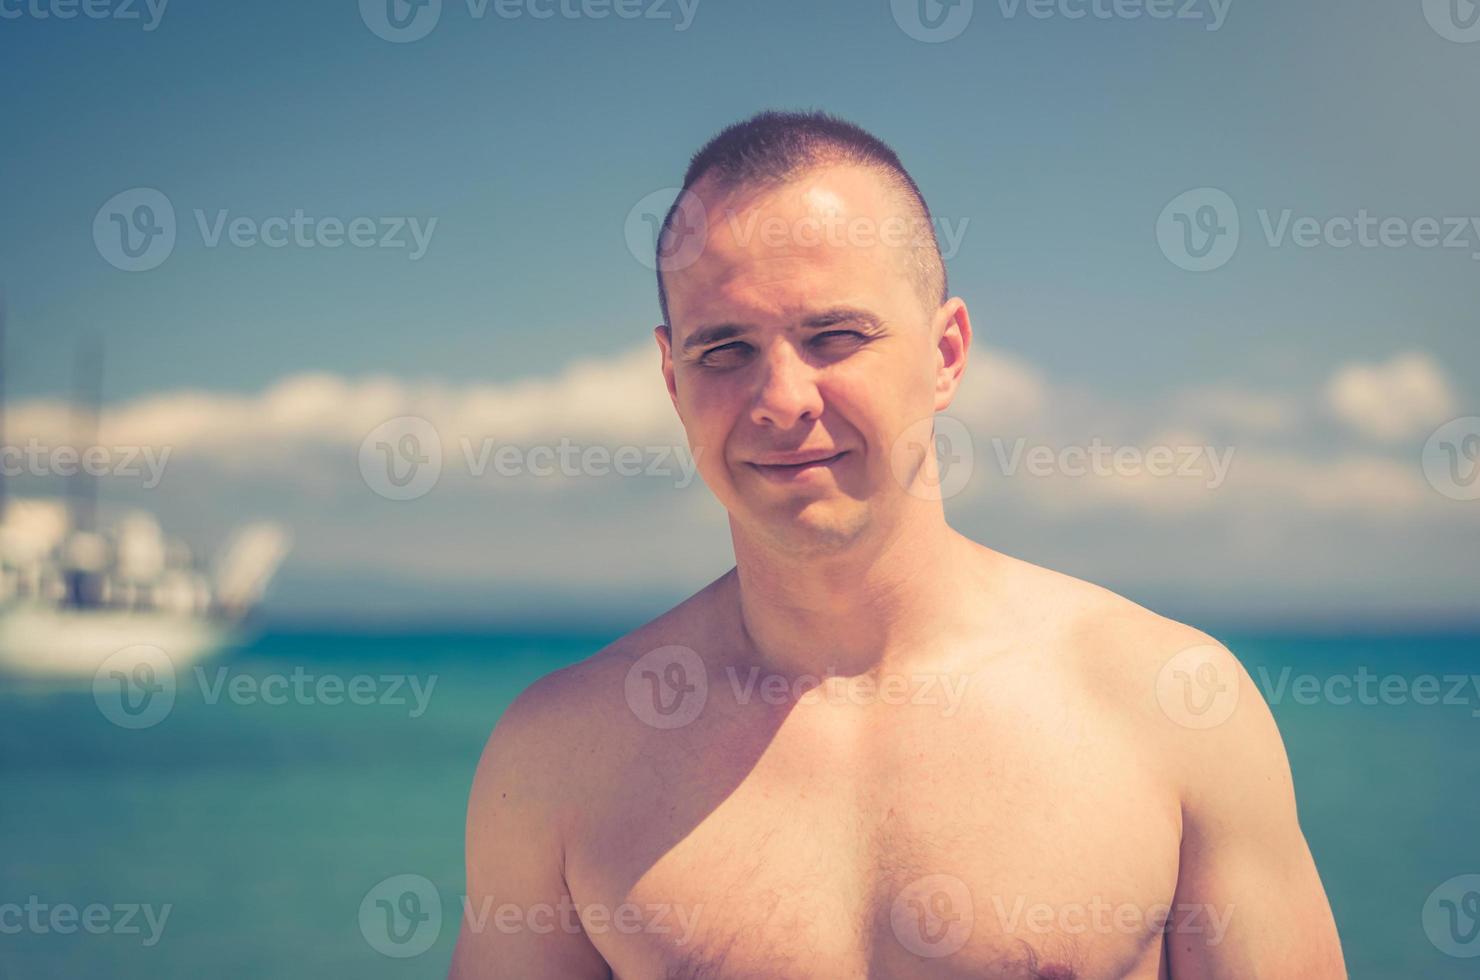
{"x":888,"y":600}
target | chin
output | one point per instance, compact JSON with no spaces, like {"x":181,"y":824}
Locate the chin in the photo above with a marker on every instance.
{"x":816,"y":527}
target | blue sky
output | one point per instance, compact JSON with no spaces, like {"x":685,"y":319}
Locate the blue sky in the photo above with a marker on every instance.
{"x":1055,"y":143}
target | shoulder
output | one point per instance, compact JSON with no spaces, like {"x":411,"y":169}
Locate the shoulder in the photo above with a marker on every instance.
{"x":566,"y":734}
{"x":589,"y":694}
{"x":1178,"y":693}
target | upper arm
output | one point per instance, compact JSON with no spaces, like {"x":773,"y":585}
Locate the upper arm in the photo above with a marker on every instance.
{"x":519,"y":920}
{"x":1249,"y":902}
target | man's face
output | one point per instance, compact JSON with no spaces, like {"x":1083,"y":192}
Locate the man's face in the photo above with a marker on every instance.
{"x":798,"y":334}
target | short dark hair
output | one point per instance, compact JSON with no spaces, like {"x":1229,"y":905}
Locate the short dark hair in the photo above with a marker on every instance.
{"x":773,"y":147}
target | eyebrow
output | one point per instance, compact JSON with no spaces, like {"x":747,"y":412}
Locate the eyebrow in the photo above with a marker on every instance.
{"x":827,"y":318}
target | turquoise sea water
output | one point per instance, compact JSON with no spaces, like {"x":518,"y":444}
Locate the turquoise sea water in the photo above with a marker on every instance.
{"x":266,"y":827}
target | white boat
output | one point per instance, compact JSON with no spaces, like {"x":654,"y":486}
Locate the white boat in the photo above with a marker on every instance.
{"x":137,"y":588}
{"x":51,"y":643}
{"x":74,"y":597}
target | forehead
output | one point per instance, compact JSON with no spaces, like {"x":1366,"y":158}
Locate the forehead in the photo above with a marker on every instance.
{"x":830,"y":237}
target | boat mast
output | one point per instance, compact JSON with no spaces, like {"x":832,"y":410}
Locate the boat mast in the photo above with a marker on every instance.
{"x":84,"y":584}
{"x":2,"y":402}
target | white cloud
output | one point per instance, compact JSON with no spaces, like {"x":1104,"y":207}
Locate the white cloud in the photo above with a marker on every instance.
{"x":1403,"y":398}
{"x":1000,"y":392}
{"x":300,"y":432}
{"x":1240,"y":409}
{"x":618,"y":399}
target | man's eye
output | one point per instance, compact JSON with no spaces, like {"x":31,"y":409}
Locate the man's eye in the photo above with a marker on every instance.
{"x":850,"y":334}
{"x":723,"y":353}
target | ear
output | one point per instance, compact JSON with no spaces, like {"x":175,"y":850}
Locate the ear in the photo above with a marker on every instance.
{"x":665,"y":345}
{"x":952,"y":324}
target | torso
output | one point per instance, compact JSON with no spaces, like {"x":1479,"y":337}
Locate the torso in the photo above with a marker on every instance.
{"x":1022,"y":833}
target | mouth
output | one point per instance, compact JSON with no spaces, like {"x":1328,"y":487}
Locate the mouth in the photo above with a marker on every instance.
{"x":784,"y":469}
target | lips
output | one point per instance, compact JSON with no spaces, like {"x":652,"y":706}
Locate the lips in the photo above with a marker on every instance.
{"x":788,"y":466}
{"x":799,"y":458}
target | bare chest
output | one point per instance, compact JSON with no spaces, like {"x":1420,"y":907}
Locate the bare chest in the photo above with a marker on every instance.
{"x":895,"y":843}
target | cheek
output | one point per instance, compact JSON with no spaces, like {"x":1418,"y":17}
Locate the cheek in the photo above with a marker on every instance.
{"x":868,"y":398}
{"x":883,"y":402}
{"x":710,"y":409}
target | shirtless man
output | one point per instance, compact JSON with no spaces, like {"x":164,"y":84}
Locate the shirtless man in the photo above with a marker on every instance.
{"x":873,"y":748}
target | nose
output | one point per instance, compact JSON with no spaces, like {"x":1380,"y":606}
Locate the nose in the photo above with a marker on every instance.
{"x":788,"y":390}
